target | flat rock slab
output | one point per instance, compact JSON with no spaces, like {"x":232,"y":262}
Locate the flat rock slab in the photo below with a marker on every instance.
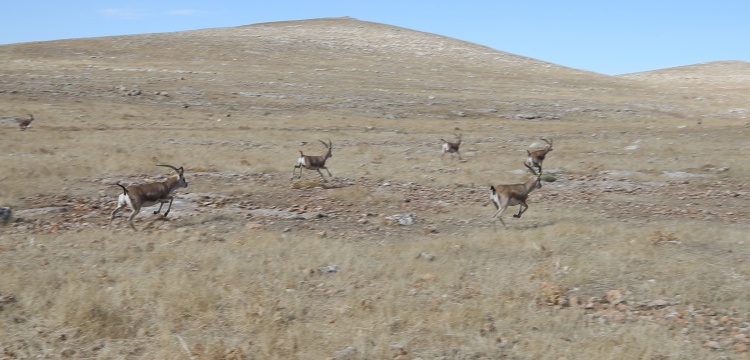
{"x":40,"y":211}
{"x":287,"y":214}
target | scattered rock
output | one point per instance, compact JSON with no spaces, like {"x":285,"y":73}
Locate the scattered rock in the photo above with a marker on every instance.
{"x":5,"y":214}
{"x":714,"y":169}
{"x":330,"y":269}
{"x":402,"y":219}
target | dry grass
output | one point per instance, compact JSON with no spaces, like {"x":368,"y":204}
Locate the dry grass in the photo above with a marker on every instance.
{"x":236,"y":292}
{"x":260,"y":293}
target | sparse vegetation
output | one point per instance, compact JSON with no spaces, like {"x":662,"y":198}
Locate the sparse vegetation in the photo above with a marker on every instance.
{"x":636,"y":250}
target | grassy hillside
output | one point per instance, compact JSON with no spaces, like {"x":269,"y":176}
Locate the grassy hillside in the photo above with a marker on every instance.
{"x":637,"y":249}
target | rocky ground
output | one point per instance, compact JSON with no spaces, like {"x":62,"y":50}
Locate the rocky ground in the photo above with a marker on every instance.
{"x":281,"y":204}
{"x":278,"y":204}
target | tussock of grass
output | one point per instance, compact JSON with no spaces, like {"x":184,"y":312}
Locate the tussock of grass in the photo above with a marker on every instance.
{"x":549,"y":177}
{"x":307,"y":183}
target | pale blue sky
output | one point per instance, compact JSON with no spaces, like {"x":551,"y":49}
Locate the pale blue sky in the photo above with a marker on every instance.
{"x":609,"y":37}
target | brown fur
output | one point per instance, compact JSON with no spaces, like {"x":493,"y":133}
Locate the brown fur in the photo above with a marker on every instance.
{"x":313,"y":162}
{"x":452,"y":147}
{"x":503,"y":196}
{"x":138,"y":196}
{"x":24,"y":123}
{"x":536,"y":157}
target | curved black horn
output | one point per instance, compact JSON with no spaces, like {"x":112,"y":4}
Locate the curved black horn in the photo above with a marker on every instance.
{"x":548,"y":141}
{"x":324,"y":143}
{"x":532,"y":170}
{"x":179,"y":171}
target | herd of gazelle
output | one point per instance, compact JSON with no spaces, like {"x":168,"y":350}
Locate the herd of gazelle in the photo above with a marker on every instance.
{"x":502,"y":196}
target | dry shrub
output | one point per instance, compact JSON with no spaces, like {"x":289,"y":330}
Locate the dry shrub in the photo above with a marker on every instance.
{"x":661,"y":237}
{"x":307,"y":183}
{"x":547,"y":177}
{"x":551,"y":294}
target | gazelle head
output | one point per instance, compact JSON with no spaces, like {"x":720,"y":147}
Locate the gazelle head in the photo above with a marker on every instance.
{"x":329,"y":147}
{"x":549,"y":143}
{"x":180,"y":173}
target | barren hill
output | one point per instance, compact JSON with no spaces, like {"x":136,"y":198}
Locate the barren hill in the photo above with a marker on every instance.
{"x":323,"y":64}
{"x":728,"y":77}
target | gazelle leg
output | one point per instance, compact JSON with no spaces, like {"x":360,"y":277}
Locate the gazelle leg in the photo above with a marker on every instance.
{"x":171,"y":198}
{"x":160,"y":205}
{"x":499,"y":215}
{"x":521,"y":210}
{"x":117,"y":209}
{"x":132,"y":215}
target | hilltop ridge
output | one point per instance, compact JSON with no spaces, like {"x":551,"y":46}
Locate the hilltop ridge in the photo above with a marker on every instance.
{"x":332,"y":64}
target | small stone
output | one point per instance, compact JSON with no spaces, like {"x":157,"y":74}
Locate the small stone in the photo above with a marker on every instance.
{"x":255,"y":226}
{"x":712,"y":345}
{"x":330,"y":268}
{"x":68,"y":353}
{"x":658,"y":303}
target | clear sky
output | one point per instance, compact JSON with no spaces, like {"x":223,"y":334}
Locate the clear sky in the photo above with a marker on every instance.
{"x":608,"y":37}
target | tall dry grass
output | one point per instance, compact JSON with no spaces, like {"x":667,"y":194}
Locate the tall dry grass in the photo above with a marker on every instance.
{"x":262,"y":294}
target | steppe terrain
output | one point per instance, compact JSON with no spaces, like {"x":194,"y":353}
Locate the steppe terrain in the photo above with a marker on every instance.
{"x":635,"y":248}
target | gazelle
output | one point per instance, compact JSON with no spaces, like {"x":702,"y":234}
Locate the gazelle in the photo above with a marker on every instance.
{"x":24,"y":123}
{"x":536,"y":157}
{"x":452,"y":147}
{"x":311,"y":162}
{"x":513,"y":194}
{"x":149,"y":194}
